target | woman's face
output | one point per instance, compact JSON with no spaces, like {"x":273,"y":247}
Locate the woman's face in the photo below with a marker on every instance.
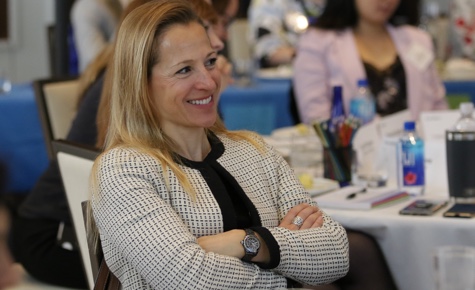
{"x":225,"y":19}
{"x":376,"y":11}
{"x":216,"y":42}
{"x":185,"y":82}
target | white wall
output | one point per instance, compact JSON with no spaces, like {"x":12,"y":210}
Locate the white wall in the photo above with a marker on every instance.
{"x":28,"y":57}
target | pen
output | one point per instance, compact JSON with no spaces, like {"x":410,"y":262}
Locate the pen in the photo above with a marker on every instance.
{"x":353,"y":195}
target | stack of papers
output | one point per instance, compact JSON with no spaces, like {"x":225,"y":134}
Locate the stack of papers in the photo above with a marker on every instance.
{"x":357,"y":197}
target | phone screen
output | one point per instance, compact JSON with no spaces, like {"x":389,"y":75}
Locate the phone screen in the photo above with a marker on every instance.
{"x":461,"y":210}
{"x":423,"y":207}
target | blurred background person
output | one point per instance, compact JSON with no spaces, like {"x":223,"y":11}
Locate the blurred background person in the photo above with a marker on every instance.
{"x":227,"y":11}
{"x":367,"y":39}
{"x":275,"y":26}
{"x":462,"y":15}
{"x":35,"y":242}
{"x":93,"y":25}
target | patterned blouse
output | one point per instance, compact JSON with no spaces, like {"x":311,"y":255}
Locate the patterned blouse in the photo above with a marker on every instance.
{"x":149,"y":230}
{"x":388,"y":87}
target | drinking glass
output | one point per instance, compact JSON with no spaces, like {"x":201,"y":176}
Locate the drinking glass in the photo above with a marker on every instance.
{"x":244,"y":71}
{"x":5,"y":83}
{"x":305,"y":155}
{"x":454,"y":268}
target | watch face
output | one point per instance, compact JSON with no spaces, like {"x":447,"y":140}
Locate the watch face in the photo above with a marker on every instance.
{"x":252,"y":244}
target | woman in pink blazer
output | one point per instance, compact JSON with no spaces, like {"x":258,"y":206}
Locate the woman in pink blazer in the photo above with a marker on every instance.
{"x":361,"y":39}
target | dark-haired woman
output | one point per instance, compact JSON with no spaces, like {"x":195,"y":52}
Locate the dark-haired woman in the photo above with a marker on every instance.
{"x":367,"y":39}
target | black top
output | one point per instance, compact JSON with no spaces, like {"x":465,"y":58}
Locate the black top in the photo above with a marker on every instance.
{"x":47,"y":199}
{"x":237,"y":209}
{"x":388,"y":86}
{"x":235,"y":205}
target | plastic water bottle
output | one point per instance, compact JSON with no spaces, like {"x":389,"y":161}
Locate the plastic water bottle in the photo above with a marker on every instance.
{"x":466,"y":123}
{"x":362,"y":106}
{"x":411,"y":156}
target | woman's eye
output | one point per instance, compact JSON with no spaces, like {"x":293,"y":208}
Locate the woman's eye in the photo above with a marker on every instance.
{"x":211,"y":62}
{"x":184,"y":70}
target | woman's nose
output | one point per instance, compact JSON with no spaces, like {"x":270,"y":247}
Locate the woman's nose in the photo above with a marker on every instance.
{"x":206,"y":81}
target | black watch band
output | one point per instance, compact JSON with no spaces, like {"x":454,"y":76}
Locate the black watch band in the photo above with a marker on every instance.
{"x":251,"y":245}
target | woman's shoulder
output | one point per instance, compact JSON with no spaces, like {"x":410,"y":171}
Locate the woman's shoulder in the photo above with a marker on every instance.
{"x":242,"y":141}
{"x":412,"y":32}
{"x":125,"y":155}
{"x":321,"y":38}
{"x":237,"y":137}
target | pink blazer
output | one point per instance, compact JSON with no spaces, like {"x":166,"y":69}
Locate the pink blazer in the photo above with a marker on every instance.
{"x":326,"y":58}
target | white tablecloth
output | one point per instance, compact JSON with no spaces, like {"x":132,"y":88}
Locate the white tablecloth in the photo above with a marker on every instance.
{"x":408,"y":241}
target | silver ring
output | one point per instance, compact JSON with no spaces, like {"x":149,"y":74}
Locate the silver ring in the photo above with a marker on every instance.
{"x":298,"y":221}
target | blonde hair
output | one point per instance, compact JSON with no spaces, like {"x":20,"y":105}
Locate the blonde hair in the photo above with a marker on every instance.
{"x":132,"y":120}
{"x":203,"y":9}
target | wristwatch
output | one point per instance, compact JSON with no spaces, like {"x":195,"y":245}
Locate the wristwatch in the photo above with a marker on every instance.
{"x":251,"y":245}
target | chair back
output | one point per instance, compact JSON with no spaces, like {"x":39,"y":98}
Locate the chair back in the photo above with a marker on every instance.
{"x":94,"y":245}
{"x":75,"y":164}
{"x":239,"y":48}
{"x":56,"y":100}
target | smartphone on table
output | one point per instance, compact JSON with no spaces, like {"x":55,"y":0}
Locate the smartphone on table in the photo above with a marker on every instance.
{"x":461,"y":210}
{"x":423,"y":207}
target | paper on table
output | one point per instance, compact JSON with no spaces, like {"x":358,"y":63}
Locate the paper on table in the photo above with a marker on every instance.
{"x":393,"y":125}
{"x":434,"y":125}
{"x":366,"y":144}
{"x":353,"y":197}
{"x":371,"y":148}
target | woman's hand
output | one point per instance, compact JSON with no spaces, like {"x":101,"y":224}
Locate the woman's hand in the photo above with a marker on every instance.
{"x":227,"y":243}
{"x":311,"y":215}
{"x":282,"y":56}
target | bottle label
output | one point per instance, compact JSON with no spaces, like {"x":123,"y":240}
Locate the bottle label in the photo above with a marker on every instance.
{"x":412,"y":161}
{"x":362,"y":109}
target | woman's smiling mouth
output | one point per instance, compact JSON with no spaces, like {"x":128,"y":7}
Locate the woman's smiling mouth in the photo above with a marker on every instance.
{"x":201,"y":102}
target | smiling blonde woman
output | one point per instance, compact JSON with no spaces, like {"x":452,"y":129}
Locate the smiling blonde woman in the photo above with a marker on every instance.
{"x":179,"y":201}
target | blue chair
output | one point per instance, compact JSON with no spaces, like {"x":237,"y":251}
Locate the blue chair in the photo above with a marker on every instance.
{"x":459,"y":91}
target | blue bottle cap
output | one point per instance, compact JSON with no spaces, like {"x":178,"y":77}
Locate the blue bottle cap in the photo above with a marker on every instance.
{"x":362,"y":83}
{"x":409,"y":126}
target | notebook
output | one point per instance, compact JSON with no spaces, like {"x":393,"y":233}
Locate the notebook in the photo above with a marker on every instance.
{"x":357,"y":197}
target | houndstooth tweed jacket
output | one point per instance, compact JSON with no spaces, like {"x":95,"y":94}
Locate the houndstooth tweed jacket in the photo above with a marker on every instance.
{"x":149,"y":230}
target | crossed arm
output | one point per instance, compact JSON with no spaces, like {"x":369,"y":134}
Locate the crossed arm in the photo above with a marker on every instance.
{"x":228,"y":243}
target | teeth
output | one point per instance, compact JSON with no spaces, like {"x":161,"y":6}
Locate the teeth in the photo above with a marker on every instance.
{"x":201,"y":102}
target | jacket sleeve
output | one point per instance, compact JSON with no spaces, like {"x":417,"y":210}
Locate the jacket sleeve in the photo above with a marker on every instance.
{"x":321,"y":253}
{"x":140,"y":229}
{"x":312,"y":256}
{"x":439,"y":98}
{"x":426,"y":91}
{"x":311,"y":76}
